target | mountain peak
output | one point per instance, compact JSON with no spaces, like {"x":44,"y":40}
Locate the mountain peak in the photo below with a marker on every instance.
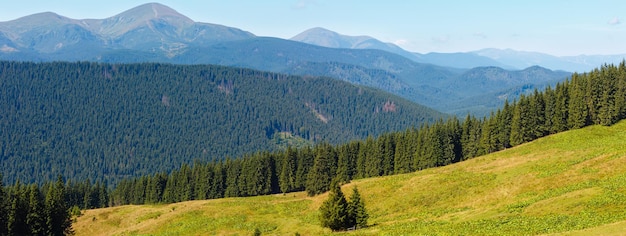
{"x":327,"y":38}
{"x":150,"y":11}
{"x":140,"y":16}
{"x":316,"y":31}
{"x":44,"y":18}
{"x":155,"y":10}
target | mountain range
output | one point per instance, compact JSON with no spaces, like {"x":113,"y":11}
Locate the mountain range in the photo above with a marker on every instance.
{"x":504,"y":58}
{"x":156,"y":33}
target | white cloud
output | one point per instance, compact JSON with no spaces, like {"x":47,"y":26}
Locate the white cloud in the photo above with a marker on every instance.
{"x":614,"y":21}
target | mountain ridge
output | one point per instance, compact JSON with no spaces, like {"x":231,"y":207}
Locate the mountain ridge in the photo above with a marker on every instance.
{"x":156,"y":33}
{"x":173,"y":31}
{"x":326,"y":38}
{"x":504,"y":58}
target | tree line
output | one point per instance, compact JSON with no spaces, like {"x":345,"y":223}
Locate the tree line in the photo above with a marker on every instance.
{"x":35,"y":210}
{"x":596,"y":97}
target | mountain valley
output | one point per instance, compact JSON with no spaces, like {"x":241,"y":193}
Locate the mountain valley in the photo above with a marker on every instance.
{"x":148,"y":122}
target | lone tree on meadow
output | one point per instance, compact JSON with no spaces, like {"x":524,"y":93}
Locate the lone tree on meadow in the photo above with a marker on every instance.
{"x":357,"y":214}
{"x":337,"y":213}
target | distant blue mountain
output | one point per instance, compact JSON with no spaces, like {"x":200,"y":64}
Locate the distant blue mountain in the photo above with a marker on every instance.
{"x":521,"y":59}
{"x":326,"y":38}
{"x":504,"y":58}
{"x":461,"y":60}
{"x":151,"y":27}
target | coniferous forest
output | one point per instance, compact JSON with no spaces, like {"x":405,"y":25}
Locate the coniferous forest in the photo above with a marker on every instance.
{"x":111,"y":121}
{"x":594,"y":98}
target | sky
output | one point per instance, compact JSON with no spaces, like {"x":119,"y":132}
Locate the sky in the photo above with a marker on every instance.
{"x":556,"y":27}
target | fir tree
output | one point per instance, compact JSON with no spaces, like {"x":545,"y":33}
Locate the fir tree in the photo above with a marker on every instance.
{"x":578,"y":113}
{"x":561,"y":108}
{"x":387,"y":145}
{"x":3,"y":209}
{"x":18,"y":210}
{"x":342,"y":164}
{"x":374,"y":158}
{"x":537,"y":123}
{"x":357,"y":215}
{"x":58,"y":220}
{"x":287,"y":178}
{"x":35,"y":218}
{"x":504,"y":126}
{"x":334,"y":211}
{"x":324,"y":167}
{"x":305,"y":162}
{"x":402,"y":155}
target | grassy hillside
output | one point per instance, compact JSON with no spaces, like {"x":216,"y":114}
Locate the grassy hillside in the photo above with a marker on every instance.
{"x":573,"y":182}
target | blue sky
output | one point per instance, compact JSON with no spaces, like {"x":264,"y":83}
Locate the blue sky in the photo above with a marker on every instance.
{"x":556,"y":27}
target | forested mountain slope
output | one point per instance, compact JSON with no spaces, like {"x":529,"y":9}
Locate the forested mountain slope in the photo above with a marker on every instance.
{"x":594,"y":98}
{"x":107,"y":121}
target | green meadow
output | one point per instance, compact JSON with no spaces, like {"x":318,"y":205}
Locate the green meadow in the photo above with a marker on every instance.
{"x":571,"y":183}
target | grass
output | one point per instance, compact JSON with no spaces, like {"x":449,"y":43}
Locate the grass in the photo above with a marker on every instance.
{"x":573,"y":183}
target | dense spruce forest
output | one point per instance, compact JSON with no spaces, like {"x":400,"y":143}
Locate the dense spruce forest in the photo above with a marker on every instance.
{"x":106,"y":122}
{"x":597,"y":97}
{"x":33,"y":210}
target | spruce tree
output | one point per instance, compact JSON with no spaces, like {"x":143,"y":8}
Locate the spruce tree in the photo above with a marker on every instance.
{"x":3,"y":209}
{"x":520,"y":122}
{"x":470,"y":134}
{"x":402,"y":155}
{"x":578,"y":112}
{"x":334,"y":211}
{"x":58,"y":221}
{"x":357,"y":215}
{"x":537,"y":123}
{"x":504,"y":126}
{"x":35,"y":218}
{"x":305,"y":162}
{"x":342,"y":164}
{"x":620,"y":92}
{"x":488,"y":136}
{"x":324,"y":167}
{"x":287,"y":178}
{"x":374,"y":157}
{"x":233,"y":170}
{"x":361,"y":158}
{"x":201,"y":175}
{"x":549,"y":101}
{"x":561,"y":108}
{"x":18,"y":210}
{"x":420,"y":148}
{"x":219,"y":181}
{"x":387,"y":145}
